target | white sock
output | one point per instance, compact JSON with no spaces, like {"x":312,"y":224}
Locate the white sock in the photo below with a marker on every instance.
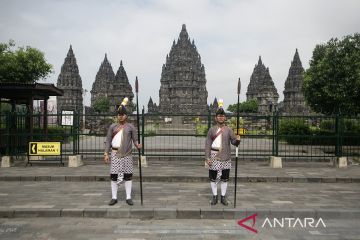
{"x":128,"y":185}
{"x":214,"y":188}
{"x":114,"y":189}
{"x":223,"y":186}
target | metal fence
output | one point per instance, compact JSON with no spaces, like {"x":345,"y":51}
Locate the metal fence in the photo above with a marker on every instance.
{"x":290,"y":137}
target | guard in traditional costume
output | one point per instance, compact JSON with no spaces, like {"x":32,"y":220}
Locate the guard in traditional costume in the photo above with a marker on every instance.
{"x":118,"y":151}
{"x":218,"y":154}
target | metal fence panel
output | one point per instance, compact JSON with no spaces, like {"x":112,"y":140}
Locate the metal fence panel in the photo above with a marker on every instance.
{"x":290,"y":137}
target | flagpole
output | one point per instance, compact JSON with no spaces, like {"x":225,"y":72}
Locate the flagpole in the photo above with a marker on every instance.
{"x":237,"y":133}
{"x":138,"y":128}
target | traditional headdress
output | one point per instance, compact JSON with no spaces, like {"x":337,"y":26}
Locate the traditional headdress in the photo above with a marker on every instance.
{"x":122,"y":108}
{"x":220,"y":110}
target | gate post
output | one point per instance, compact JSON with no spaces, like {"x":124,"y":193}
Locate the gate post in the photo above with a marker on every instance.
{"x":273,"y":133}
{"x":339,"y":125}
{"x":143,"y":131}
{"x":8,"y":139}
{"x":276,"y":133}
{"x":209,"y":119}
{"x":275,"y":160}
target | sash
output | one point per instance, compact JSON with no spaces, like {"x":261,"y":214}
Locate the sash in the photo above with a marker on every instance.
{"x":118,"y":129}
{"x":217,"y":134}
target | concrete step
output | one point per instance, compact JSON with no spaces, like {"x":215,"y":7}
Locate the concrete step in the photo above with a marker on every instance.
{"x":180,"y":213}
{"x":179,"y":200}
{"x":181,"y":179}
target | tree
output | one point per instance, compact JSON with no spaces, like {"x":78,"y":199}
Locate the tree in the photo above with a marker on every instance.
{"x":24,"y":65}
{"x":332,"y":82}
{"x":101,"y":105}
{"x":250,"y":106}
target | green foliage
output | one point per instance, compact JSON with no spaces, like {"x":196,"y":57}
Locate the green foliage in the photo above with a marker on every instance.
{"x":293,"y":130}
{"x":201,"y":129}
{"x":232,"y":123}
{"x":24,"y":65}
{"x":332,"y":83}
{"x":347,"y":125}
{"x":54,"y":134}
{"x":352,"y":126}
{"x":101,"y":105}
{"x":5,"y":107}
{"x":250,"y":106}
{"x":297,"y":131}
{"x":327,"y":125}
{"x":150,"y":129}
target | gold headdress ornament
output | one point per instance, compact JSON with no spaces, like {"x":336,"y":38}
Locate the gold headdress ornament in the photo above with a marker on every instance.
{"x":220,"y":110}
{"x":122,"y":108}
{"x":220,"y":103}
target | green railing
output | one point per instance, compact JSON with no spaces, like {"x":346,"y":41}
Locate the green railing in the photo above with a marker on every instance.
{"x":292,"y":137}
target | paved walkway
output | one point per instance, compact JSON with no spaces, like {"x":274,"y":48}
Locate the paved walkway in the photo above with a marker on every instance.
{"x":178,"y":171}
{"x":172,"y":190}
{"x":169,"y":229}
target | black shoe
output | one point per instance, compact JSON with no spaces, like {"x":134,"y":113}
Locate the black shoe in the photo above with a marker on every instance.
{"x":129,"y":202}
{"x":113,"y":202}
{"x":224,"y":201}
{"x":214,"y":200}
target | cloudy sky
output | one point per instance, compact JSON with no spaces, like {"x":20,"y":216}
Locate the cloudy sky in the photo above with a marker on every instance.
{"x":229,"y":35}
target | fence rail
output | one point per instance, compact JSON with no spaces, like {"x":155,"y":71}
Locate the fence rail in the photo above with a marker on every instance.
{"x":293,"y":137}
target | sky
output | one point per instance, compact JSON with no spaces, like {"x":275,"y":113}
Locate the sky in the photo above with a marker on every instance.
{"x":230,"y":35}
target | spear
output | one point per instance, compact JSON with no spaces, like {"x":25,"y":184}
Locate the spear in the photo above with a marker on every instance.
{"x":138,"y":128}
{"x":237,"y":133}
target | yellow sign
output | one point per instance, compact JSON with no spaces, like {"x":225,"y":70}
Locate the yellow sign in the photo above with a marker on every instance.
{"x":44,"y":148}
{"x":242,"y":131}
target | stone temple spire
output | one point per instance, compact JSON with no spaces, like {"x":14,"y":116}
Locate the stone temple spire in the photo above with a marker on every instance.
{"x":214,"y":106}
{"x":262,"y":88}
{"x":122,"y":88}
{"x":69,"y":80}
{"x":121,"y":76}
{"x":184,"y":36}
{"x":152,"y":108}
{"x":183,"y":82}
{"x":294,"y":101}
{"x":103,"y":78}
{"x":114,"y":87}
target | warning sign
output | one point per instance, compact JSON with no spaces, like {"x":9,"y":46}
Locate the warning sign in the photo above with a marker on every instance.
{"x":44,"y":148}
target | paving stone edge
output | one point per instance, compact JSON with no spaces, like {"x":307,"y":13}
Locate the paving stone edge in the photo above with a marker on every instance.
{"x":181,"y":213}
{"x":251,"y":179}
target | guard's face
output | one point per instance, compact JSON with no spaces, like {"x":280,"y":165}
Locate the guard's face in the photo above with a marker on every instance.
{"x":122,"y":117}
{"x":220,"y":118}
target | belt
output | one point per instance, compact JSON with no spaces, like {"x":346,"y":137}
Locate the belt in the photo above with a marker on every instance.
{"x":114,"y":148}
{"x":214,"y":149}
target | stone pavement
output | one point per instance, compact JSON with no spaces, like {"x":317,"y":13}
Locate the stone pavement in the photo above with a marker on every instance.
{"x":186,"y":171}
{"x":171,"y":229}
{"x":173,"y":190}
{"x":178,"y":200}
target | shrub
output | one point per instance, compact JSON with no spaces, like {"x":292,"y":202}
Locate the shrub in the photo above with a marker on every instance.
{"x":297,"y":131}
{"x":328,"y":125}
{"x":294,"y":131}
{"x":201,"y":129}
{"x":54,"y":134}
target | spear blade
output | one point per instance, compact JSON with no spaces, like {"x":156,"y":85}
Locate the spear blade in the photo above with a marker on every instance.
{"x":136,"y":85}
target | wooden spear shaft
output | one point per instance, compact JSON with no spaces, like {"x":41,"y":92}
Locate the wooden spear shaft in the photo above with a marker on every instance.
{"x":237,"y":133}
{"x":138,"y":128}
